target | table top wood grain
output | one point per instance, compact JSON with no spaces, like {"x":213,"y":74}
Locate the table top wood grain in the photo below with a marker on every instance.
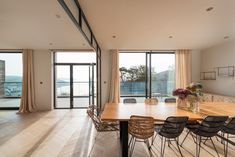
{"x":122,"y":112}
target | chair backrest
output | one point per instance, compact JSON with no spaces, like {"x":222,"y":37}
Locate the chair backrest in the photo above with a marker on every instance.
{"x":141,"y":127}
{"x":151,"y":101}
{"x":230,"y":127}
{"x":170,"y":100}
{"x":100,"y":125}
{"x":211,"y":125}
{"x":129,"y":100}
{"x":173,"y":126}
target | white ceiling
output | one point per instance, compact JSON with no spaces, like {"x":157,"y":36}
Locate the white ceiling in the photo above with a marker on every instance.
{"x":33,"y":24}
{"x":137,"y":24}
{"x":147,"y":24}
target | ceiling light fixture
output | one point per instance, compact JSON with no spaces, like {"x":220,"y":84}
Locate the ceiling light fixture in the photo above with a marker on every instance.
{"x":50,"y":43}
{"x":226,"y":37}
{"x":114,"y":36}
{"x":170,"y":37}
{"x":209,"y":9}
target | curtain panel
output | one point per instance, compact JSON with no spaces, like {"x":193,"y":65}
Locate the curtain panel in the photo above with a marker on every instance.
{"x":114,"y":95}
{"x":183,"y":68}
{"x":27,"y":103}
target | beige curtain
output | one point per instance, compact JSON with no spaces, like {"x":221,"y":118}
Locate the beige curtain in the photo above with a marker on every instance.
{"x":27,"y":103}
{"x":114,"y":95}
{"x":183,"y":68}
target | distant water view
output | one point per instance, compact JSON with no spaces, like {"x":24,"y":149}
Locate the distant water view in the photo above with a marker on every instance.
{"x":80,"y":88}
{"x":12,"y":86}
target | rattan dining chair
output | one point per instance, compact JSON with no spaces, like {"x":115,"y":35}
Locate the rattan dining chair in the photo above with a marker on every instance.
{"x":170,"y":131}
{"x":151,"y":101}
{"x":141,"y":129}
{"x":129,"y":101}
{"x":208,"y":128}
{"x":227,"y":130}
{"x":101,"y":126}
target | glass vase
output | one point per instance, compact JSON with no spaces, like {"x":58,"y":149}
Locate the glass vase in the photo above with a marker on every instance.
{"x":181,"y":103}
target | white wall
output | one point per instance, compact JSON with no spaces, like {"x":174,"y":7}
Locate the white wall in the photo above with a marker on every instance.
{"x":220,"y":55}
{"x":105,"y":68}
{"x":196,"y":65}
{"x":43,"y":73}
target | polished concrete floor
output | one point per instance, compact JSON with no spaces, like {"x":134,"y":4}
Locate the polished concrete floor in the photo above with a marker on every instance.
{"x":70,"y":133}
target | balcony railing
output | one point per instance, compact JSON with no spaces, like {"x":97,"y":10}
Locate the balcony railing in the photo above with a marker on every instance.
{"x":80,"y":89}
{"x":10,"y":89}
{"x":159,"y":88}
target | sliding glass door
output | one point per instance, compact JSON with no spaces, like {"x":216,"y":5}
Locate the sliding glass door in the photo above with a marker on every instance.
{"x":162,"y":75}
{"x":83,"y":85}
{"x":74,"y":85}
{"x":74,"y":79}
{"x":146,"y":74}
{"x":132,"y":68}
{"x":63,"y":86}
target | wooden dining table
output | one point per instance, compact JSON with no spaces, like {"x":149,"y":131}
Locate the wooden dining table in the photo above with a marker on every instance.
{"x":122,"y":112}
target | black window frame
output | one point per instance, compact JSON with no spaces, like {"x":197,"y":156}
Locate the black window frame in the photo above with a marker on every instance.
{"x":148,"y":63}
{"x":98,"y":66}
{"x":12,"y":52}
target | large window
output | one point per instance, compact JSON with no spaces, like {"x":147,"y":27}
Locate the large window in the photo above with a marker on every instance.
{"x":148,"y":74}
{"x":10,"y":79}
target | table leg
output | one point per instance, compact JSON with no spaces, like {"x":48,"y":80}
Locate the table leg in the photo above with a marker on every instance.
{"x":124,"y":137}
{"x":120,"y":131}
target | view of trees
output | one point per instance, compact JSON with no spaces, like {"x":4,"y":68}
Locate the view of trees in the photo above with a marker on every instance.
{"x":134,"y":73}
{"x":133,"y":80}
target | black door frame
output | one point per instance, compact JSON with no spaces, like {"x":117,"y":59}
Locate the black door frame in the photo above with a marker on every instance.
{"x":71,"y":65}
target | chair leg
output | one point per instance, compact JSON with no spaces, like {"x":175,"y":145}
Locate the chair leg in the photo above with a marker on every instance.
{"x":200,"y":141}
{"x":198,"y":145}
{"x":184,"y":138}
{"x":130,"y":141}
{"x":153,"y":139}
{"x":169,"y":143}
{"x":192,"y":137}
{"x":132,"y":147}
{"x":164,"y":147}
{"x":149,"y":147}
{"x":205,"y":141}
{"x":177,"y":143}
{"x":214,"y":146}
{"x":163,"y":144}
{"x":226,"y":147}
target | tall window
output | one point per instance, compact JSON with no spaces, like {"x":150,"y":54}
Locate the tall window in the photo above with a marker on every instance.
{"x":133,"y":75}
{"x":162,"y":75}
{"x":10,"y":79}
{"x":148,"y":74}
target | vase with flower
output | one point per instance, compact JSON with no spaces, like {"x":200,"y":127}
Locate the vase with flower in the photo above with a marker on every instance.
{"x":190,"y":97}
{"x":182,"y":95}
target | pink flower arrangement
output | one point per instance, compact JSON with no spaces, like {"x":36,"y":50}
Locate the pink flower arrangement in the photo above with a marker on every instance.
{"x":181,"y":93}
